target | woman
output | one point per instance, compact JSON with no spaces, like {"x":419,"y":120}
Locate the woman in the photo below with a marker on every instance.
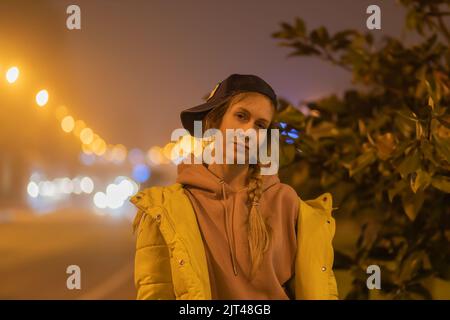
{"x":226,"y":231}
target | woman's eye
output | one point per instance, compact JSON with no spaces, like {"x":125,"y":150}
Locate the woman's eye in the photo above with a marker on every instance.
{"x":240,"y":115}
{"x":261,"y":126}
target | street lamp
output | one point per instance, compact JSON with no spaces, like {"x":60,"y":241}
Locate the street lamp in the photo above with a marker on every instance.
{"x":12,"y":74}
{"x":42,"y":98}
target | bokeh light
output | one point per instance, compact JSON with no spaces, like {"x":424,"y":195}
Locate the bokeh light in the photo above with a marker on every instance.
{"x":61,"y":186}
{"x":141,"y":173}
{"x":42,"y":98}
{"x":155,"y":155}
{"x":116,"y":193}
{"x":33,"y":189}
{"x":87,"y":159}
{"x":125,"y":183}
{"x":87,"y":135}
{"x":76,"y":185}
{"x":68,"y":124}
{"x":12,"y":74}
{"x":98,"y":145}
{"x":100,"y":200}
{"x":67,"y":185}
{"x":87,"y":185}
{"x":167,"y":151}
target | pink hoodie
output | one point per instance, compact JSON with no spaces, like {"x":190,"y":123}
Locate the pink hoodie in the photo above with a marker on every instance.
{"x":221,"y":213}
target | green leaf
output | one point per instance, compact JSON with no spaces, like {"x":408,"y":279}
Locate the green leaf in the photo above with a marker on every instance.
{"x":407,"y":115}
{"x":320,"y":36}
{"x":421,"y":180}
{"x":287,"y":154}
{"x":444,"y":122}
{"x":431,"y":103}
{"x":302,"y":49}
{"x":342,"y":39}
{"x":291,"y":116}
{"x":331,"y":104}
{"x":410,"y":164}
{"x":419,"y":130}
{"x":442,"y":183}
{"x":288,"y":29}
{"x":442,"y":147}
{"x":412,"y":203}
{"x":323,"y":130}
{"x":427,"y":150}
{"x":401,"y":148}
{"x":398,"y":187}
{"x":363,"y":161}
{"x":411,"y":265}
{"x":300,"y":27}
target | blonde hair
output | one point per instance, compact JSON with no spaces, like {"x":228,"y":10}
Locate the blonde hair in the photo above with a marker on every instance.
{"x":259,"y":231}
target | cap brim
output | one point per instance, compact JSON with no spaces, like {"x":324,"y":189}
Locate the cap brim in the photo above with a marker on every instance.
{"x":197,"y":113}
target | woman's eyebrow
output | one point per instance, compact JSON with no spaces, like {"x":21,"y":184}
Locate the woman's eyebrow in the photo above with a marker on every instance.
{"x":260,"y":119}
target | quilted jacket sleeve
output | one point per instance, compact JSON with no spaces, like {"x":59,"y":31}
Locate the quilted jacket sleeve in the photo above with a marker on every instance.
{"x":153,"y":278}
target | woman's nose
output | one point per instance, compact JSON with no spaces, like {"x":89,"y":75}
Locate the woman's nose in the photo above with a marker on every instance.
{"x":249,"y":125}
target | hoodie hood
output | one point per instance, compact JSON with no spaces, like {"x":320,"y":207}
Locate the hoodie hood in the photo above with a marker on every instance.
{"x":197,"y":178}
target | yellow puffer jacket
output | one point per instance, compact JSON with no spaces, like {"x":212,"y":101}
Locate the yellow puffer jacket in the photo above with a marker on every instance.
{"x":170,"y":260}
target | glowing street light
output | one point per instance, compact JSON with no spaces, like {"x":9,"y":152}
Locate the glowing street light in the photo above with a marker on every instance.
{"x":99,"y":146}
{"x":87,"y":135}
{"x":12,"y":74}
{"x":68,"y":124}
{"x":42,"y":98}
{"x":33,"y":189}
{"x":87,"y":185}
{"x":155,"y":155}
{"x":100,"y":200}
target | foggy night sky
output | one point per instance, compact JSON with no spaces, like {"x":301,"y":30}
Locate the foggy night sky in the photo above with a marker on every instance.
{"x":136,"y":64}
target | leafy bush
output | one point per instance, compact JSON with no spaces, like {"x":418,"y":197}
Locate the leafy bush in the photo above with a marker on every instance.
{"x":382,"y":149}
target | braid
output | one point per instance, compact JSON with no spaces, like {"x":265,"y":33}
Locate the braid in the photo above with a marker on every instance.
{"x":259,"y":232}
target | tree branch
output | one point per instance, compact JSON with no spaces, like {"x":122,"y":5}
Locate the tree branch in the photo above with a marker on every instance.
{"x":441,"y":25}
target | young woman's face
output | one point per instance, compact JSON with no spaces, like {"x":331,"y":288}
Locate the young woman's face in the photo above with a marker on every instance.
{"x":253,"y":111}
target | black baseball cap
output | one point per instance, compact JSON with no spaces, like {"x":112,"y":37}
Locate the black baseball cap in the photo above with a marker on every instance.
{"x":234,"y":84}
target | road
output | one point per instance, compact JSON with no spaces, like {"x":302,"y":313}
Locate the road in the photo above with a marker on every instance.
{"x":35,"y":252}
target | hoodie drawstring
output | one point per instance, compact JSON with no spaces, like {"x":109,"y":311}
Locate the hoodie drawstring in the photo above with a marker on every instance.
{"x":231,"y":243}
